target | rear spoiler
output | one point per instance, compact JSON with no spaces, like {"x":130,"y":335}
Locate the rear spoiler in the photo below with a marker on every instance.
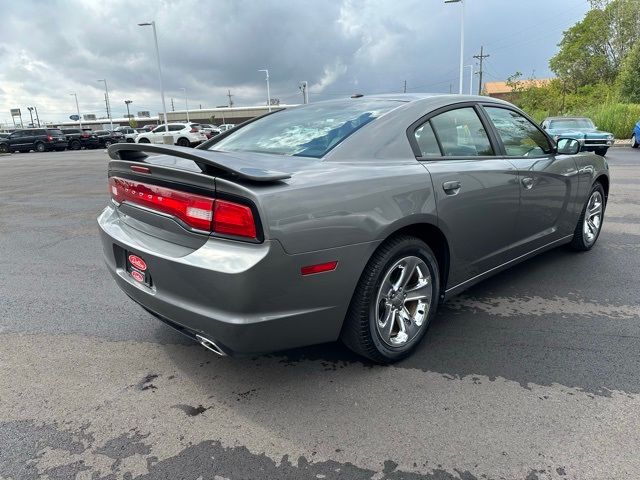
{"x":210,"y":162}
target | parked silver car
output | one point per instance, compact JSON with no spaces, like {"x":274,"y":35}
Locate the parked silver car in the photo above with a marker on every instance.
{"x":347,"y":219}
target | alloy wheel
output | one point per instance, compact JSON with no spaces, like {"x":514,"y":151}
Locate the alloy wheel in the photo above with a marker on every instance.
{"x":592,"y":218}
{"x":403,"y":301}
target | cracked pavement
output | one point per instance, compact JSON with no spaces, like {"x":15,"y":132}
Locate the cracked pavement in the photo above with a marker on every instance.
{"x":532,"y":374}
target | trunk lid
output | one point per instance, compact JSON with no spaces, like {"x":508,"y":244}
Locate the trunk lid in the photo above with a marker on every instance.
{"x":172,"y":174}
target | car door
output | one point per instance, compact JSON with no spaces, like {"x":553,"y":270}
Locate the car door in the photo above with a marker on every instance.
{"x":548,"y":182}
{"x":476,"y":190}
{"x":155,"y":136}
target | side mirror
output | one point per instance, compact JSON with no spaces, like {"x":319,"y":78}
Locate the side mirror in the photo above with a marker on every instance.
{"x":568,"y":146}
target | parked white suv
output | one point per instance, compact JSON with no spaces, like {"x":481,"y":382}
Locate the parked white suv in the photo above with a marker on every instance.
{"x":184,"y":134}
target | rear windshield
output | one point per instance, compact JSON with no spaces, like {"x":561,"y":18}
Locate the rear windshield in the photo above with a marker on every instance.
{"x":55,"y":132}
{"x":71,"y":130}
{"x":309,"y":131}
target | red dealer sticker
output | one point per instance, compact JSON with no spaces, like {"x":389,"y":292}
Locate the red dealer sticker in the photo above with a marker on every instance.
{"x":137,"y":262}
{"x":137,"y":275}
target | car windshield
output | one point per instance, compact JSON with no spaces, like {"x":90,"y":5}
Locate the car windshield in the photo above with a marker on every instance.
{"x":309,"y":131}
{"x":567,"y":123}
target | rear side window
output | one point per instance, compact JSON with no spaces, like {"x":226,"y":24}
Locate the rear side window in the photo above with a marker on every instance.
{"x":57,"y":133}
{"x":175,"y":128}
{"x":461,"y":133}
{"x":309,"y":131}
{"x":519,"y":136}
{"x":426,"y":141}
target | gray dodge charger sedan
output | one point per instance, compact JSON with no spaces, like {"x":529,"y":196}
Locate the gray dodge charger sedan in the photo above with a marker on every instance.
{"x":348,"y":219}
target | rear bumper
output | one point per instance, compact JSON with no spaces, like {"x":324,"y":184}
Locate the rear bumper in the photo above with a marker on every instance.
{"x":248,"y":298}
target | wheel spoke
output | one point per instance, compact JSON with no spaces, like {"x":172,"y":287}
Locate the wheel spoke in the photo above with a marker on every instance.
{"x":408,"y":268}
{"x":419,"y":292}
{"x":388,"y":326}
{"x":596,"y":209}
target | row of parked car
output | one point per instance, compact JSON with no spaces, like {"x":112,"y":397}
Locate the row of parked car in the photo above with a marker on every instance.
{"x":47,"y":139}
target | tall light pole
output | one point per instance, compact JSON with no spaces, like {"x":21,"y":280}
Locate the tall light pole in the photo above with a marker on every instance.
{"x":37,"y":117}
{"x":266,"y":71}
{"x":127,"y":102}
{"x":186,"y":102}
{"x":155,"y":38}
{"x":461,"y":2}
{"x":470,"y":79}
{"x":106,"y":92}
{"x":31,"y":114}
{"x":78,"y":110}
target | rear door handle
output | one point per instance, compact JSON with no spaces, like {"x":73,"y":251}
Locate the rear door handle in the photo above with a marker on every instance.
{"x":452,"y":187}
{"x":527,"y":182}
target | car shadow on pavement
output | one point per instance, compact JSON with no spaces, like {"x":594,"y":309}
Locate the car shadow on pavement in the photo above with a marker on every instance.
{"x":514,"y":334}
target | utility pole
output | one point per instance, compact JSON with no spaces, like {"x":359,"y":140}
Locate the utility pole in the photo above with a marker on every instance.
{"x":31,"y":114}
{"x":78,"y":110}
{"x":480,"y":57}
{"x":186,"y":102}
{"x":405,"y":87}
{"x":106,"y":100}
{"x":172,"y":108}
{"x":37,"y":117}
{"x":230,"y":100}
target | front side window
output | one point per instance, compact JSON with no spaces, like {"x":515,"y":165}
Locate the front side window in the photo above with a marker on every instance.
{"x":159,"y":129}
{"x":520,"y":137}
{"x":309,"y":131}
{"x":461,"y":133}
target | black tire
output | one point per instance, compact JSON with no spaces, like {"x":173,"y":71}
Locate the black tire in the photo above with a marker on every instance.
{"x":130,"y":140}
{"x":75,"y":145}
{"x":183,"y":142}
{"x":580,"y":242}
{"x":360,"y":332}
{"x":602,"y":151}
{"x":634,"y":141}
{"x":4,"y":148}
{"x":40,"y":147}
{"x":144,"y":140}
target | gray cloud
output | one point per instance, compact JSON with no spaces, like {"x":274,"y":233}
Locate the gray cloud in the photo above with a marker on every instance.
{"x":48,"y":50}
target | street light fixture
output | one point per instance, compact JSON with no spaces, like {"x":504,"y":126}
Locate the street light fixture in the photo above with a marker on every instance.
{"x":186,"y":102}
{"x":461,"y":2}
{"x":31,"y":115}
{"x":78,"y":110}
{"x":266,"y":71}
{"x":106,"y":91}
{"x":127,"y":102}
{"x":155,"y":37}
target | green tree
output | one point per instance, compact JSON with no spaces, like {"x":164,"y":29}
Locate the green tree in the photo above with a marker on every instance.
{"x":629,"y":79}
{"x":133,"y":123}
{"x":592,"y":51}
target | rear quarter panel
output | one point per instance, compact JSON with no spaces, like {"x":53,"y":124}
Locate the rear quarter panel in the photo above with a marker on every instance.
{"x":341,"y":203}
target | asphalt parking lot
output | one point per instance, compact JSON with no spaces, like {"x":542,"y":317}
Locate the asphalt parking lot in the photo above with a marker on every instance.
{"x":533,"y":374}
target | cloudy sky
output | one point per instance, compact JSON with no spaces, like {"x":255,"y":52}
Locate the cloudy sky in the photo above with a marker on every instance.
{"x":50,"y":49}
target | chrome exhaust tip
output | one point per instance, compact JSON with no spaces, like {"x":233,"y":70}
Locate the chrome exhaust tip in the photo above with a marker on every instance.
{"x":210,"y":345}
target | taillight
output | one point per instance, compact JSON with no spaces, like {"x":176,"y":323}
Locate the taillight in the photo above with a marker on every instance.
{"x":49,"y":138}
{"x":233,"y":219}
{"x":193,"y":130}
{"x":197,"y":211}
{"x":85,"y":135}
